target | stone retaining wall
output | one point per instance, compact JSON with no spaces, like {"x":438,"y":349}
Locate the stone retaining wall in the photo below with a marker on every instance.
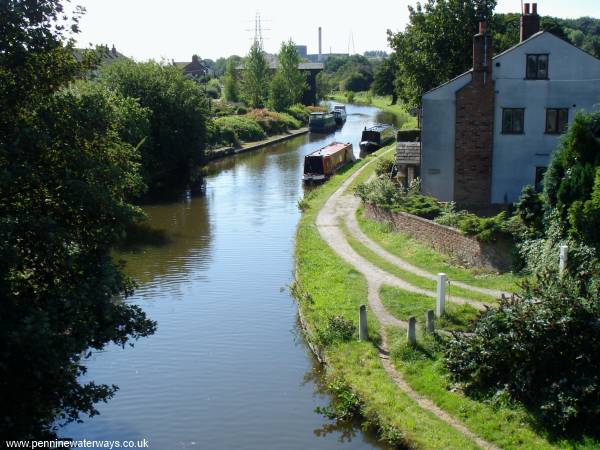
{"x":464,"y":249}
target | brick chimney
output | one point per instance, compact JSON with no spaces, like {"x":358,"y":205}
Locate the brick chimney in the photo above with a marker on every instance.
{"x":474,"y":128}
{"x":530,"y":21}
{"x":482,"y":54}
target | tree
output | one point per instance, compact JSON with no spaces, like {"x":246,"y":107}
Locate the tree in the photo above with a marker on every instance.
{"x":231,"y":90}
{"x":289,"y":83}
{"x":279,"y":95}
{"x":385,"y":78}
{"x":255,"y":78}
{"x":66,"y":176}
{"x":179,"y":109}
{"x":357,"y":82}
{"x":437,"y":44}
{"x":572,"y":181}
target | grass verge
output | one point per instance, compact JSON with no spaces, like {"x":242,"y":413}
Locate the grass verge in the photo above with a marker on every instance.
{"x":327,"y":286}
{"x":422,"y":256}
{"x":402,"y":304}
{"x":415,"y":280}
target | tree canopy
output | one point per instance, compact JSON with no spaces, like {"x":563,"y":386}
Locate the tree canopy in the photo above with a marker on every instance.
{"x":289,"y":83}
{"x":178,"y":111}
{"x":437,"y":44}
{"x":66,"y":171}
{"x":255,"y":77}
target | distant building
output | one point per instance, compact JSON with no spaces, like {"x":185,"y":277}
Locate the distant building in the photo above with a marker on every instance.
{"x":491,"y":131}
{"x":194,"y":69}
{"x":302,"y":50}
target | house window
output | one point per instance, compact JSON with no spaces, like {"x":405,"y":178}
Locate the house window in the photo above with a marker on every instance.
{"x":539,"y":178}
{"x":512,"y":120}
{"x":537,"y":67}
{"x":557,"y":120}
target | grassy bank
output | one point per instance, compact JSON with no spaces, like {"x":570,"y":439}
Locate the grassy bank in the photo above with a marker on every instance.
{"x":326,"y":286}
{"x":404,"y":119}
{"x":420,"y":255}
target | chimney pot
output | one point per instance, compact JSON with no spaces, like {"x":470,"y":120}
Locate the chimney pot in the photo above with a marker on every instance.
{"x":482,"y":27}
{"x":530,"y":22}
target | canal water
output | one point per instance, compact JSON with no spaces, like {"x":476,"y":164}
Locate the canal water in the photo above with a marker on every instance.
{"x":227,"y":367}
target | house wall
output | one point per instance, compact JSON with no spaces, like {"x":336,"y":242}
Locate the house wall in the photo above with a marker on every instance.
{"x":437,"y":139}
{"x":574,"y":83}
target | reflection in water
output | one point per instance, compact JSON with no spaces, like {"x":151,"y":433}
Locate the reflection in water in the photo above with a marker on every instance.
{"x":222,"y":371}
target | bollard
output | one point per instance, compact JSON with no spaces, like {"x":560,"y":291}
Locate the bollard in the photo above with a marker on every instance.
{"x":429,"y":319}
{"x":362,"y":323}
{"x":411,"y":335}
{"x":562,"y":264}
{"x":440,"y":306}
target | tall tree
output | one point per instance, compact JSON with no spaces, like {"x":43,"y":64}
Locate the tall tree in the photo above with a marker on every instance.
{"x":436,"y":44}
{"x":178,"y":109}
{"x":65,"y":175}
{"x":231,"y":90}
{"x":289,"y":83}
{"x":385,"y":77}
{"x":255,"y":78}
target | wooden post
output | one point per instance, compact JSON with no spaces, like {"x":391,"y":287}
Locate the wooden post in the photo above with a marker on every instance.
{"x":362,"y":323}
{"x":411,"y":335}
{"x":440,"y":306}
{"x":562,"y":264}
{"x":429,"y":320}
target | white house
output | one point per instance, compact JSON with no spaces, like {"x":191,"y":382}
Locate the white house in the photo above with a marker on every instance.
{"x":491,"y":131}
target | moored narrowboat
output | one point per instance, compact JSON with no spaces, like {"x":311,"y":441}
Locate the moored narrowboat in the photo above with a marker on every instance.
{"x":321,"y":122}
{"x":323,"y":163}
{"x":377,"y":136}
{"x":339,"y":114}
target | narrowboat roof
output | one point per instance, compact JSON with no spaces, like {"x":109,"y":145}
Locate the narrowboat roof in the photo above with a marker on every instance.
{"x":378,"y":127}
{"x":330,"y":149}
{"x":339,"y":107}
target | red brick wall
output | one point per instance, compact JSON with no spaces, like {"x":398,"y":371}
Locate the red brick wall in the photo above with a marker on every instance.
{"x":465,"y":250}
{"x":474,"y":130}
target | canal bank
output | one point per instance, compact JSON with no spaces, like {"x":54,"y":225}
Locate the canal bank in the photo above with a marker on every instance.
{"x":222,"y":152}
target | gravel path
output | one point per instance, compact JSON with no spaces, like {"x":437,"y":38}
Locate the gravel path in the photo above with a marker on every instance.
{"x":341,"y":206}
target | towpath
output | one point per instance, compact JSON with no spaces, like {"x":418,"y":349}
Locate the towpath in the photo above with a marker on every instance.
{"x":341,"y":208}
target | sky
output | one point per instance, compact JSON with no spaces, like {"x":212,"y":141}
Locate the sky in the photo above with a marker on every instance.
{"x":177,"y":29}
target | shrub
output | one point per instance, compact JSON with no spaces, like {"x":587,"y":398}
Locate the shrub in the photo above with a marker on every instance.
{"x":222,"y":135}
{"x":178,"y":114}
{"x":241,"y":110}
{"x":244,"y":127}
{"x":419,"y":205}
{"x":540,"y":348}
{"x":384,"y":166}
{"x":273,"y":122}
{"x":485,"y":229}
{"x":338,"y":329}
{"x":369,"y":98}
{"x":530,"y":210}
{"x":572,"y":181}
{"x":380,"y":191}
{"x":299,"y":112}
{"x":350,"y":97}
{"x":213,"y":92}
{"x":223,"y":108}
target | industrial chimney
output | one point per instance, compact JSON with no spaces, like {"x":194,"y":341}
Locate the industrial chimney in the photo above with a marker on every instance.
{"x":320,"y":45}
{"x":530,"y":21}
